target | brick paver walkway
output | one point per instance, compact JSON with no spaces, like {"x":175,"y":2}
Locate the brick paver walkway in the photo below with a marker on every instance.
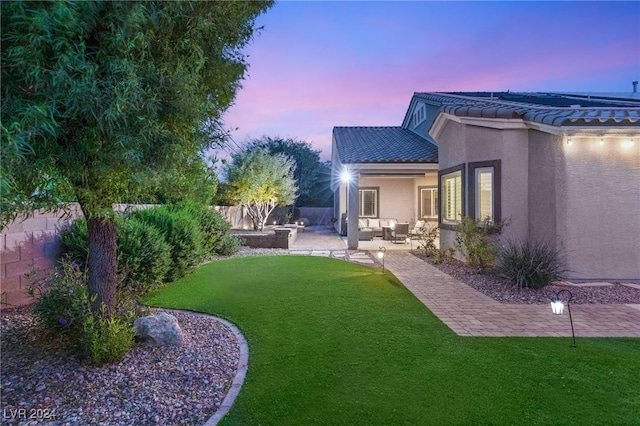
{"x":470,"y":313}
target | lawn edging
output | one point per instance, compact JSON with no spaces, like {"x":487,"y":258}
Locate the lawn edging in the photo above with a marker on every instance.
{"x":243,"y":364}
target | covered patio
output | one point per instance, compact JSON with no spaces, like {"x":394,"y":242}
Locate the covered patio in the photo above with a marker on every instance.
{"x":382,"y":176}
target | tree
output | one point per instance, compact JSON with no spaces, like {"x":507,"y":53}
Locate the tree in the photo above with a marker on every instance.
{"x":308,"y":168}
{"x":100,"y":99}
{"x":260,"y":181}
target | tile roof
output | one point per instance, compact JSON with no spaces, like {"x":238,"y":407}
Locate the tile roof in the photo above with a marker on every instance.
{"x":553,"y":109}
{"x":383,"y":145}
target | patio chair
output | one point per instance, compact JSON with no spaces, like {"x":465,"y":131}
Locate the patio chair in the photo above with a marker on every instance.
{"x":401,"y":231}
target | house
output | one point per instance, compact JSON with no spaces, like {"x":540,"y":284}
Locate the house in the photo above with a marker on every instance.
{"x":561,"y":167}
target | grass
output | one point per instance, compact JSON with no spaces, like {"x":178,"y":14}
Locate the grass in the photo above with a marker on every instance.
{"x":332,"y":342}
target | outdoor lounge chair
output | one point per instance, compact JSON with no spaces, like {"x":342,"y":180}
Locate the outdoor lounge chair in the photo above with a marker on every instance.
{"x":401,"y":231}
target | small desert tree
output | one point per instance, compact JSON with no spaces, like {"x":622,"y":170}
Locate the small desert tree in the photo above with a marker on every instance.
{"x":259,"y":182}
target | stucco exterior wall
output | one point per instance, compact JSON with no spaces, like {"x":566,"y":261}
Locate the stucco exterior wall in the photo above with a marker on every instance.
{"x":584,"y":197}
{"x":459,"y":143}
{"x":398,"y":196}
{"x":599,"y":193}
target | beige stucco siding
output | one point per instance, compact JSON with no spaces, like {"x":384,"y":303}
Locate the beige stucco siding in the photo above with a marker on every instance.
{"x":398,"y":195}
{"x":465,"y":143}
{"x":600,"y":219}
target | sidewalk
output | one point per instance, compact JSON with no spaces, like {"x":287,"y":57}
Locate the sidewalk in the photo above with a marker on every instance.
{"x":470,"y":313}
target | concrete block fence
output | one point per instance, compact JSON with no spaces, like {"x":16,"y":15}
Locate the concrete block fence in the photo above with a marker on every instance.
{"x":34,"y":244}
{"x":28,"y":245}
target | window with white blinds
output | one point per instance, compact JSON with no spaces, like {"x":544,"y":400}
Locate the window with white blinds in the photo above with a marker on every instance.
{"x":428,"y":202}
{"x":451,"y":185}
{"x":484,"y":193}
{"x":368,"y":203}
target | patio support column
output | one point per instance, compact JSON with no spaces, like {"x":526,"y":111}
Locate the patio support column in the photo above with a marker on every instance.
{"x":352,"y":212}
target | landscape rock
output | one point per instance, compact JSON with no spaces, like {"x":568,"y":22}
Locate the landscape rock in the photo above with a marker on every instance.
{"x":158,"y":330}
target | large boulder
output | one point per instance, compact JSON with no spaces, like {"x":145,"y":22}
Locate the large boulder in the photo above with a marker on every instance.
{"x":158,"y":330}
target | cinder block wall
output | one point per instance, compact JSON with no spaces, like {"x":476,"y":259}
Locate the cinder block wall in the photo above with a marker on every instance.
{"x":31,"y":244}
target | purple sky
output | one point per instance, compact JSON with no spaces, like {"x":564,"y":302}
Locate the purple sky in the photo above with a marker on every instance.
{"x":317,"y":65}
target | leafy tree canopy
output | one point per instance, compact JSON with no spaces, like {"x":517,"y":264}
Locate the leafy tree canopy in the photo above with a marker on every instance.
{"x":102,"y":99}
{"x":311,"y":174}
{"x":260,"y":181}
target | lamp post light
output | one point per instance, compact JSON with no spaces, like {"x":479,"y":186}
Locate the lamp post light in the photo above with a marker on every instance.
{"x":557,"y":307}
{"x":381,"y":253}
{"x":408,"y":240}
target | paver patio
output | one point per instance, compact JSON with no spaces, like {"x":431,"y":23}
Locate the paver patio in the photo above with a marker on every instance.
{"x":470,"y":313}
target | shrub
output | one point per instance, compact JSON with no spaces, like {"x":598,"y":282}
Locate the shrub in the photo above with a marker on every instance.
{"x":75,"y":241}
{"x":182,"y":232}
{"x":108,"y":339}
{"x":474,"y":240}
{"x":227,"y":245}
{"x":64,"y":309}
{"x":441,"y":255}
{"x":63,"y":303}
{"x":532,"y":264}
{"x":144,"y":256}
{"x":427,"y":235}
{"x":213,"y":226}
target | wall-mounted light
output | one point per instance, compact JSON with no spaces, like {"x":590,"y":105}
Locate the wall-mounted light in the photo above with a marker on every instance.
{"x":345,"y":176}
{"x":569,"y":140}
{"x":601,"y":141}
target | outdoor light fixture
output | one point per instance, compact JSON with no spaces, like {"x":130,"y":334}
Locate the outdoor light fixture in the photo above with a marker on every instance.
{"x":345,"y":176}
{"x":602,"y":141}
{"x":557,"y":307}
{"x":381,"y":253}
{"x":569,"y":140}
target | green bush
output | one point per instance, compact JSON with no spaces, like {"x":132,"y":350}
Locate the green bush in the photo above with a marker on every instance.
{"x":64,"y":310}
{"x":427,"y":235}
{"x":214,"y":227}
{"x":532,"y":264}
{"x":75,"y":242}
{"x":227,"y":245}
{"x":474,"y":241}
{"x":63,"y":303}
{"x":144,"y":256}
{"x":108,"y":339}
{"x":182,"y":231}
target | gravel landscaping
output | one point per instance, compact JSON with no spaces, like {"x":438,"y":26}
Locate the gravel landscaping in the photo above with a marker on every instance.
{"x":172,"y":385}
{"x":505,"y":291}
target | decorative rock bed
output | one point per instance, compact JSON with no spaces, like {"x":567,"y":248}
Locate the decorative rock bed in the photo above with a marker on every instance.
{"x":152,"y":385}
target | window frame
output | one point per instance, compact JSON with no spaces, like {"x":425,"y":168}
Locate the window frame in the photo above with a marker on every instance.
{"x":496,"y":188}
{"x":376,"y":190}
{"x":442,"y":222}
{"x":436,"y":210}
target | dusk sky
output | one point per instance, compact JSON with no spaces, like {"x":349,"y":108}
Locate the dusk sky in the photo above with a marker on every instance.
{"x":317,"y":65}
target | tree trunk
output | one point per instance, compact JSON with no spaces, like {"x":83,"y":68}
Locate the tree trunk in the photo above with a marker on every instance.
{"x":102,"y":263}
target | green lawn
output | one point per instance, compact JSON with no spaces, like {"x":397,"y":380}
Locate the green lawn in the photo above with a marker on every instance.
{"x":334,"y":343}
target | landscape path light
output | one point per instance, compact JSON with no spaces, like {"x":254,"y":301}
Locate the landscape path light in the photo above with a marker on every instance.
{"x":557,"y":307}
{"x":381,"y":252}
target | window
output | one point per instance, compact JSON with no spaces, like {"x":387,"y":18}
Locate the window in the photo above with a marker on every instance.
{"x":451,"y":188}
{"x":484,"y":193}
{"x":368,"y":202}
{"x":428,"y":207}
{"x":484,"y":190}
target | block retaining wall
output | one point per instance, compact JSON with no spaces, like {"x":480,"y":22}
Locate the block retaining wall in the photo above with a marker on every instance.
{"x":279,"y":238}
